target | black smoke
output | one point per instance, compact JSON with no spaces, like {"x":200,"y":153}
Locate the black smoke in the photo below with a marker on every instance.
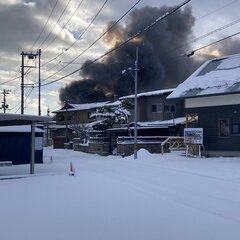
{"x":158,"y":66}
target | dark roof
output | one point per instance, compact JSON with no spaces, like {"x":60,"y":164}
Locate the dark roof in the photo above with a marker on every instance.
{"x":7,"y":119}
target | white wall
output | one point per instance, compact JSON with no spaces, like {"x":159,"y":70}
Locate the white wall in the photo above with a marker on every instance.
{"x":221,"y":100}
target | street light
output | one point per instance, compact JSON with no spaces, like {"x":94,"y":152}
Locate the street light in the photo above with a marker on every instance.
{"x":135,"y":76}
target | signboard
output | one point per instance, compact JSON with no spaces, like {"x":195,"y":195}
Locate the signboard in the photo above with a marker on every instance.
{"x":193,"y":136}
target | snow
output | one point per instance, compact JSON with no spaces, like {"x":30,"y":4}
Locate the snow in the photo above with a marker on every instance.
{"x":151,"y":93}
{"x":219,"y":75}
{"x":113,"y":198}
{"x":170,"y":122}
{"x":84,"y":106}
{"x":20,"y":128}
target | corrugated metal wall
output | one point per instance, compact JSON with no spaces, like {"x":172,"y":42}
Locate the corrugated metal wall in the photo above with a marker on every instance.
{"x":16,"y":147}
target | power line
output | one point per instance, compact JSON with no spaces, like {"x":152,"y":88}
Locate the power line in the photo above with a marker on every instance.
{"x":11,"y":80}
{"x":220,"y":40}
{"x":54,"y":6}
{"x":101,"y":36}
{"x":205,"y":35}
{"x":50,"y":43}
{"x":84,"y":31}
{"x":226,"y":5}
{"x":192,"y":52}
{"x":48,"y":35}
{"x":26,"y":97}
{"x":125,"y":42}
{"x":218,"y":9}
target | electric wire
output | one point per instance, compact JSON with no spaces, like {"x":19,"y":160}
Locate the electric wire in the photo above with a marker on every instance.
{"x":84,"y":31}
{"x":220,"y":40}
{"x":218,"y":9}
{"x":204,"y":36}
{"x":192,"y":52}
{"x":193,"y":40}
{"x":60,"y":16}
{"x":64,"y":26}
{"x":54,"y":6}
{"x":123,"y":43}
{"x":101,"y":36}
{"x":26,"y":97}
{"x":11,"y":80}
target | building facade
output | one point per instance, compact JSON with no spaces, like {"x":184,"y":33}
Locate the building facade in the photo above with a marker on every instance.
{"x":212,"y":97}
{"x":154,"y":106}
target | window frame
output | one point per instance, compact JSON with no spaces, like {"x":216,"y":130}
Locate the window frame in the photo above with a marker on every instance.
{"x":232,"y":128}
{"x":159,"y":107}
{"x":224,"y":127}
{"x":169,"y":106}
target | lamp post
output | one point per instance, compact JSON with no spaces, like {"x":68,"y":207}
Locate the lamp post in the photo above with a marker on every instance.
{"x":135,"y":100}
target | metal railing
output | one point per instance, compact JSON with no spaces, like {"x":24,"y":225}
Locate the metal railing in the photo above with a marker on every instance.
{"x":142,"y":139}
{"x":174,"y":142}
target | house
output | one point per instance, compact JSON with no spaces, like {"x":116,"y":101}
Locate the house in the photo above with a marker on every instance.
{"x":70,"y":117}
{"x":212,"y":97}
{"x":76,"y":113}
{"x":154,"y":106}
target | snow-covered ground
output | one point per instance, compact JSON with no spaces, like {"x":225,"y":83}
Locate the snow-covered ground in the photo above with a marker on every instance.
{"x":167,"y":197}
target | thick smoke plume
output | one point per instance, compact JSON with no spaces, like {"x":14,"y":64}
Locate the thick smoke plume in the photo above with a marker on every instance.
{"x":158,"y":66}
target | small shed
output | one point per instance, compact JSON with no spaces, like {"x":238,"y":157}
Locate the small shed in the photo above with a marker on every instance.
{"x":8,"y":119}
{"x":15,"y":142}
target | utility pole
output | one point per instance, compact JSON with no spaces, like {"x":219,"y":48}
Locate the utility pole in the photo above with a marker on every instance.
{"x":4,"y":104}
{"x":39,"y":81}
{"x":31,"y":56}
{"x":22,"y":84}
{"x":48,"y":114}
{"x":135,"y":104}
{"x":135,"y":76}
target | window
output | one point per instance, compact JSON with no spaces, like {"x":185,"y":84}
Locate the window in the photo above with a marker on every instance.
{"x":156,"y":107}
{"x":70,"y":117}
{"x":224,"y":130}
{"x":235,"y":128}
{"x":171,"y":108}
{"x":60,"y":117}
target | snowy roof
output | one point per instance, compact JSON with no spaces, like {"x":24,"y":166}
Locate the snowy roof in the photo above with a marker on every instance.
{"x":217,"y":76}
{"x":165,"y":123}
{"x":151,"y":93}
{"x":21,"y":128}
{"x":79,"y":107}
{"x":114,"y":104}
{"x":4,"y":117}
